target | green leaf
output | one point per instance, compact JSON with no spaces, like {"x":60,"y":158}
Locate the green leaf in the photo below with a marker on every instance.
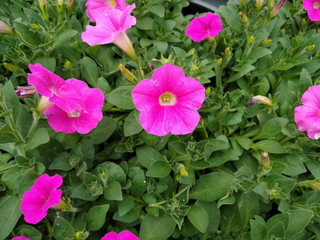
{"x":47,"y":62}
{"x":39,"y":137}
{"x":29,"y":232}
{"x":132,"y":124}
{"x":298,"y":220}
{"x":121,"y":97}
{"x":156,"y":228}
{"x":62,"y":229}
{"x":147,"y":156}
{"x":271,"y":128}
{"x":125,"y":206}
{"x":161,"y":46}
{"x":138,"y":183}
{"x":212,"y":186}
{"x":113,"y":192}
{"x":157,"y":9}
{"x":244,"y":142}
{"x":64,"y":37}
{"x":276,"y":231}
{"x":198,"y":217}
{"x":243,"y":70}
{"x":258,"y":230}
{"x":103,"y":131}
{"x":89,"y":71}
{"x":9,"y":214}
{"x":213,"y":213}
{"x":257,"y":53}
{"x":305,"y":80}
{"x":96,"y":217}
{"x":269,"y":146}
{"x":145,"y":23}
{"x":159,"y":169}
{"x":248,"y":205}
{"x":103,"y":85}
{"x":61,"y":162}
{"x":28,"y":36}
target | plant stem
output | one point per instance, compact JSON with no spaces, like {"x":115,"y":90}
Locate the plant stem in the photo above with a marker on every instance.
{"x":137,"y":61}
{"x":34,"y":125}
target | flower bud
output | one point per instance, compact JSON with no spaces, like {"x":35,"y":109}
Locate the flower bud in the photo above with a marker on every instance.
{"x":26,"y":91}
{"x":191,"y":52}
{"x":251,"y":39}
{"x":219,"y":61}
{"x":43,"y":9}
{"x":60,"y":2}
{"x":243,"y":17}
{"x":266,"y":42}
{"x":208,"y":91}
{"x":311,"y":47}
{"x":35,"y":26}
{"x":271,"y":4}
{"x":277,"y":8}
{"x":126,"y":73}
{"x":259,"y":4}
{"x":70,"y":4}
{"x":10,"y":67}
{"x":183,"y":171}
{"x":265,"y":161}
{"x":4,"y":28}
{"x":211,"y":39}
{"x":194,"y":68}
{"x":262,"y":99}
{"x":303,"y":21}
{"x":44,"y":104}
{"x":67,"y":65}
{"x":227,"y":51}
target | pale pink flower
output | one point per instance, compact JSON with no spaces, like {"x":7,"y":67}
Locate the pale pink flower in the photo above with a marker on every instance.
{"x":4,"y":28}
{"x":20,"y":238}
{"x":110,"y":28}
{"x":202,"y":27}
{"x":41,"y":196}
{"x":307,"y":116}
{"x":313,"y":8}
{"x":95,"y":7}
{"x":168,"y":102}
{"x":124,"y":235}
{"x":85,"y":117}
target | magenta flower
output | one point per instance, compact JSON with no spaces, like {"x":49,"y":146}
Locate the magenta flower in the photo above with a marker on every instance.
{"x":41,"y":196}
{"x":168,"y":102}
{"x":85,"y":117}
{"x":313,"y":8}
{"x":20,"y":238}
{"x":94,"y":7}
{"x":111,"y":27}
{"x":202,"y":27}
{"x":307,"y":116}
{"x":124,"y":235}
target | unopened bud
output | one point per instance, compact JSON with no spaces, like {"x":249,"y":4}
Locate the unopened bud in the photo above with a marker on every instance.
{"x":242,"y":3}
{"x":243,"y":17}
{"x":271,"y":4}
{"x":208,"y":91}
{"x":43,"y":9}
{"x":316,"y":185}
{"x":191,"y":52}
{"x":211,"y":39}
{"x":303,"y":21}
{"x":265,"y":161}
{"x":60,"y":2}
{"x":79,"y":235}
{"x":194,"y":68}
{"x":70,"y":4}
{"x":227,"y":51}
{"x":198,"y":79}
{"x":126,"y":73}
{"x":183,"y":171}
{"x":4,"y":28}
{"x":277,"y":8}
{"x":219,"y":61}
{"x":266,"y":42}
{"x":259,"y":4}
{"x":67,"y":65}
{"x":311,"y":47}
{"x":10,"y":67}
{"x":26,"y":91}
{"x":251,"y":39}
{"x":35,"y":26}
{"x":262,"y":99}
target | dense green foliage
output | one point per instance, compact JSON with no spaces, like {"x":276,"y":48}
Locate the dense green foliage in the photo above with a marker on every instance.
{"x":211,"y":184}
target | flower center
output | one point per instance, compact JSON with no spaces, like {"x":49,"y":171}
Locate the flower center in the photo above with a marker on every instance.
{"x":316,"y":5}
{"x":167,"y":99}
{"x":75,"y":113}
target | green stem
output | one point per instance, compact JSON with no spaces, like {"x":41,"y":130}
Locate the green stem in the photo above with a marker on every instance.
{"x":137,"y":61}
{"x":8,"y":168}
{"x":49,"y":227}
{"x":34,"y":125}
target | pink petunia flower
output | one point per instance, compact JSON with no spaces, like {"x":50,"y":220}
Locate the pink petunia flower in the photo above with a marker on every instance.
{"x":307,"y":116}
{"x":202,"y":27}
{"x":20,"y":238}
{"x":95,"y":7}
{"x":313,"y":8}
{"x":124,"y":235}
{"x":111,"y":27}
{"x":84,"y":118}
{"x":41,"y":196}
{"x":168,"y":102}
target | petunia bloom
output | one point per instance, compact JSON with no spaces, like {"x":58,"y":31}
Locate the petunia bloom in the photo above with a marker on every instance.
{"x":20,"y":238}
{"x":110,"y":28}
{"x":313,"y":8}
{"x":85,"y":117}
{"x":124,"y":235}
{"x":168,"y":102}
{"x":41,"y":196}
{"x":202,"y":27}
{"x":95,"y":7}
{"x":307,"y":116}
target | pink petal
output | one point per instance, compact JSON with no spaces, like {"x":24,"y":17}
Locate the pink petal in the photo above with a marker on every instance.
{"x":20,"y":238}
{"x":168,"y":78}
{"x":126,"y":235}
{"x":46,"y":82}
{"x":307,"y":118}
{"x":308,"y":4}
{"x":314,"y":14}
{"x":311,"y":97}
{"x":96,"y":6}
{"x":110,"y":236}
